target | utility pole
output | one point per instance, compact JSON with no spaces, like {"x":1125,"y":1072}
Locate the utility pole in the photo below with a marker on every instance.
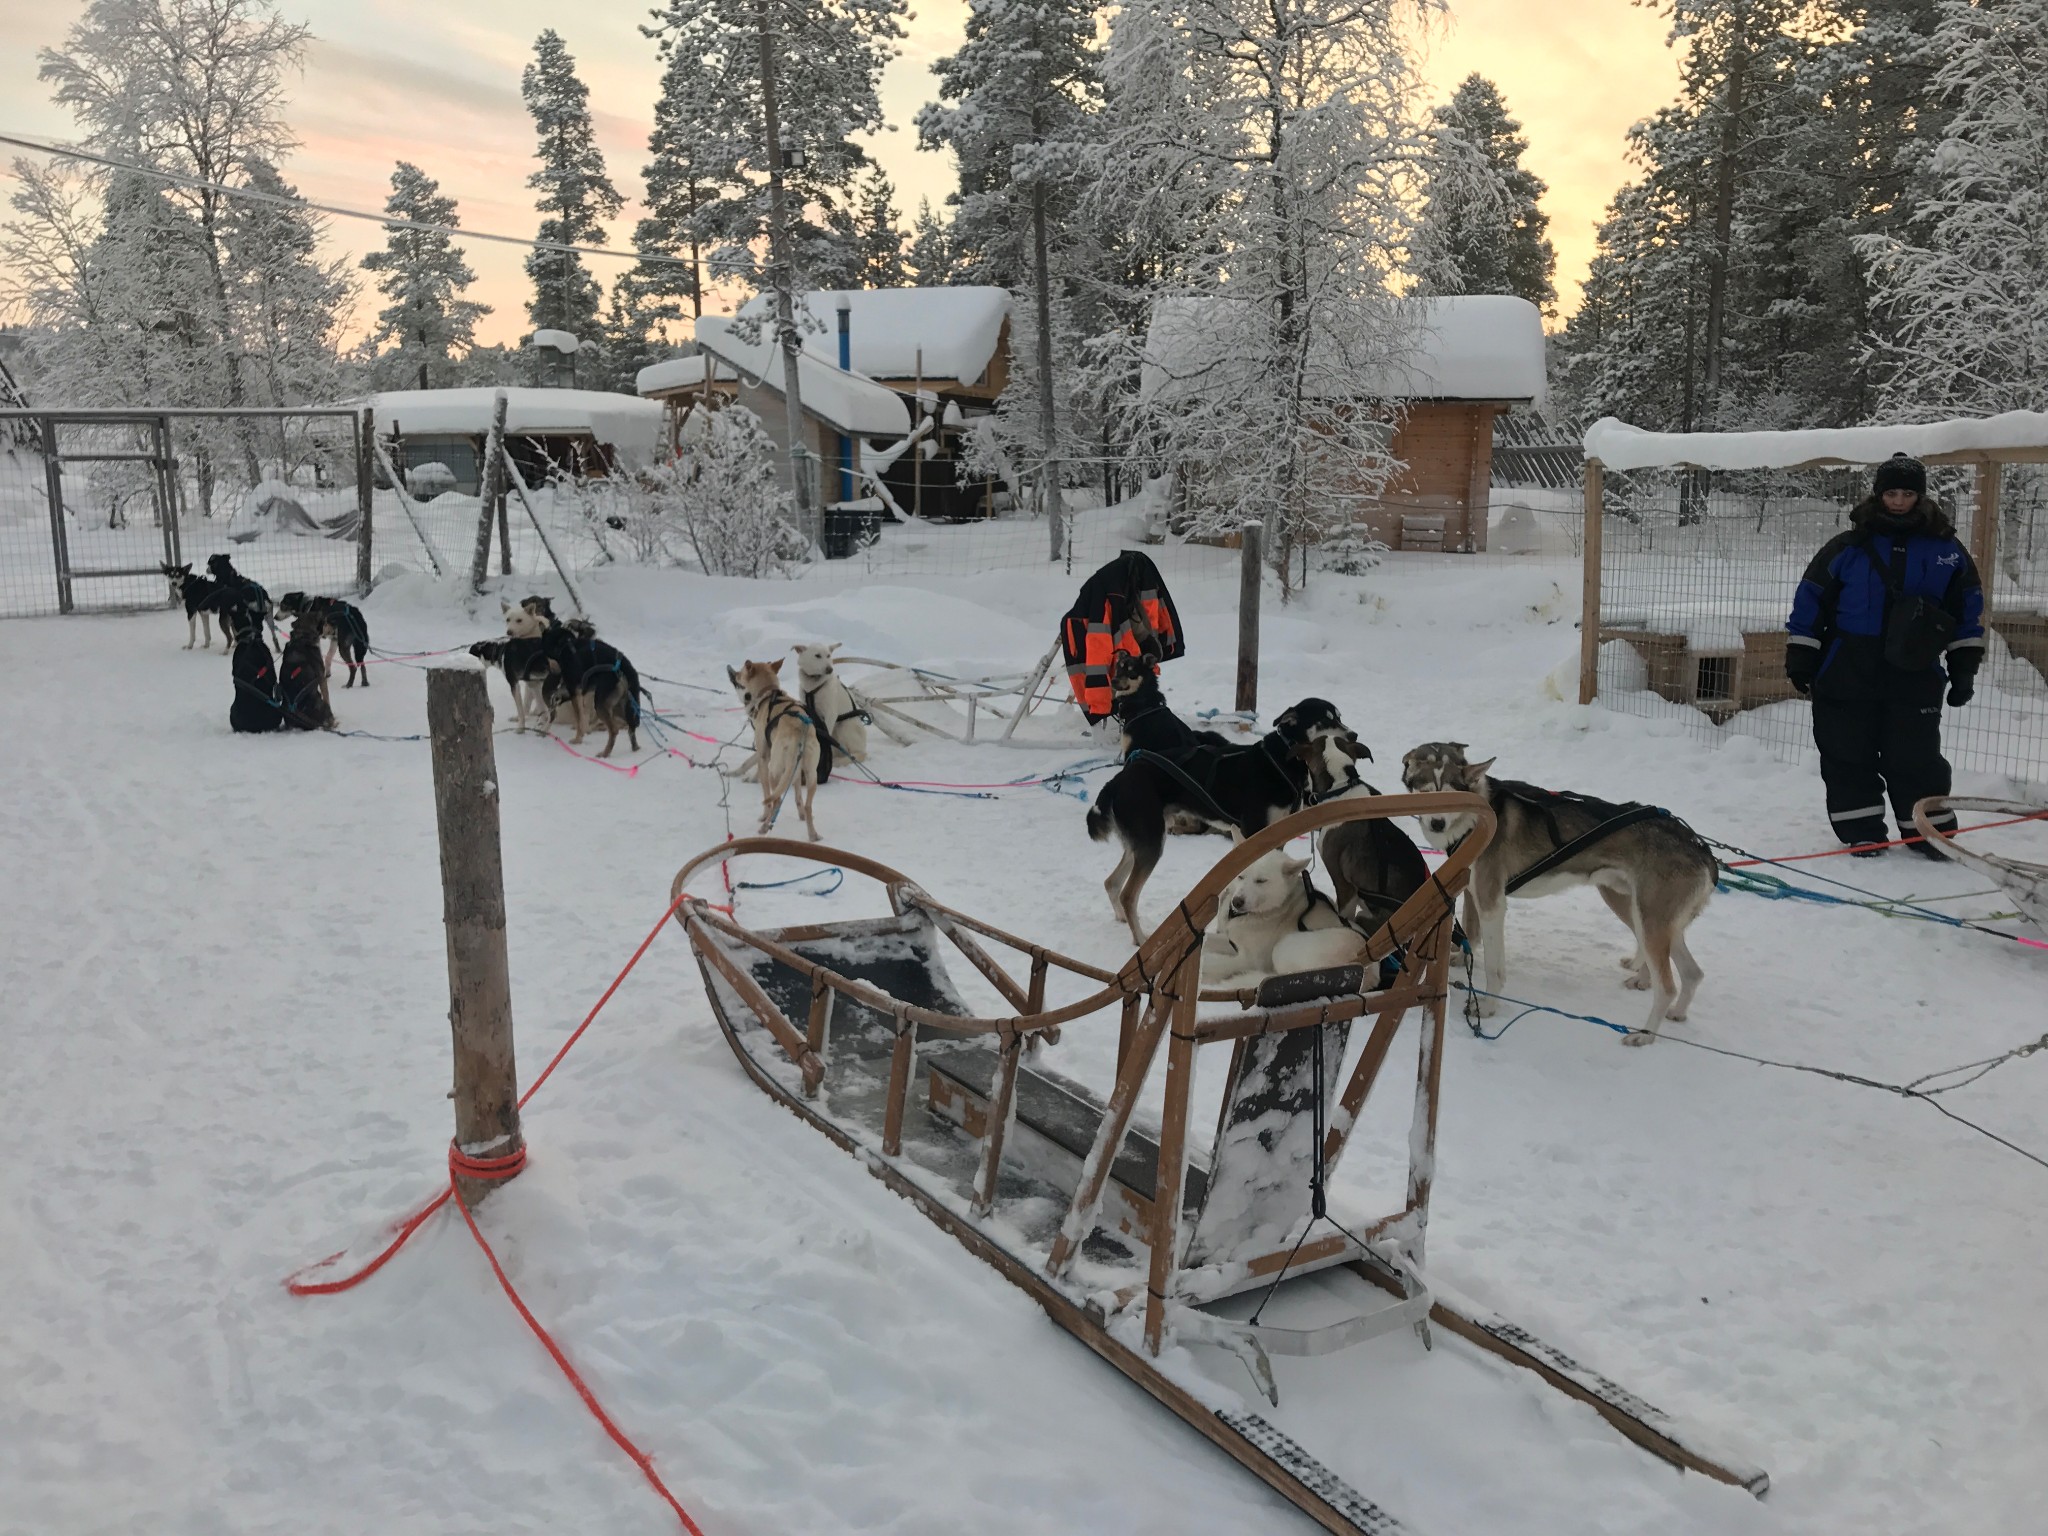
{"x":1048,"y":422}
{"x":780,"y":276}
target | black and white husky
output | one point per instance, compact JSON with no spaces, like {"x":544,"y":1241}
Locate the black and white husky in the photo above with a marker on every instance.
{"x":201,"y":598}
{"x":1651,"y":869}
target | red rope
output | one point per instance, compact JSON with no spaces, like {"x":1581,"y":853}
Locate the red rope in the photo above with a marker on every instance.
{"x":462,"y":1165}
{"x":1897,"y":842}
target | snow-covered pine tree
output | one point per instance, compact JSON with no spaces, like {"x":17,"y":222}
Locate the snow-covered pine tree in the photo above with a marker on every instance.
{"x":877,"y":232}
{"x":429,"y":324}
{"x":289,"y":305}
{"x":687,"y":161}
{"x":1965,"y":285}
{"x":829,"y":56}
{"x":1269,"y":149}
{"x":576,"y":195}
{"x":930,"y":257}
{"x":1482,"y":227}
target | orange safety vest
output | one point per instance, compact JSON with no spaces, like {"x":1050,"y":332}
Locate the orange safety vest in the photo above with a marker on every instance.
{"x":1091,"y":644}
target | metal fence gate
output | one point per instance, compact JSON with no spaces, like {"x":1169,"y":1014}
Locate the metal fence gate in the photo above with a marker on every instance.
{"x":94,"y":502}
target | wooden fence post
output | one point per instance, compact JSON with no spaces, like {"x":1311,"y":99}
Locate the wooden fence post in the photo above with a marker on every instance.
{"x":366,"y":492}
{"x":1984,"y":531}
{"x":486,"y":1090}
{"x":1251,"y":574}
{"x":1589,"y":602}
{"x":493,"y":492}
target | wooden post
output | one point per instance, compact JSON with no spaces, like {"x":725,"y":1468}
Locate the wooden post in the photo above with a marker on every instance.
{"x":1589,"y":600}
{"x":473,"y":910}
{"x":493,"y":493}
{"x":917,"y":448}
{"x":1984,"y":531}
{"x":366,"y":493}
{"x":1250,"y":576}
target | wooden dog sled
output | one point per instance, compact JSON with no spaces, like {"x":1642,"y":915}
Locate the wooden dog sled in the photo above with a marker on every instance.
{"x":2025,"y":882}
{"x":1127,"y":1236}
{"x":953,"y":708}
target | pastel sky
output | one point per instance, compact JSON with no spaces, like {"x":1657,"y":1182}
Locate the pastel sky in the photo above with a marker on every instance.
{"x":439,"y":85}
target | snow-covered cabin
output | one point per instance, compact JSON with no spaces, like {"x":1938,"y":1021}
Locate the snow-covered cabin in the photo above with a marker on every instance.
{"x":589,"y":433}
{"x":939,"y":355}
{"x":1453,"y":365}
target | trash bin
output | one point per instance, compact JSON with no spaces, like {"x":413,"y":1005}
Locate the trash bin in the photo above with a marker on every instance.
{"x":850,"y":526}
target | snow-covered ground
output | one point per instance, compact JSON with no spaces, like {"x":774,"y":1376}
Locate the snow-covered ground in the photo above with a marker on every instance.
{"x":227,"y":1054}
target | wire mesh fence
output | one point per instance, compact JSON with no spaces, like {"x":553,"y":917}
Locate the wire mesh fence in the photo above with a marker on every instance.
{"x":1696,"y":580}
{"x":94,"y":503}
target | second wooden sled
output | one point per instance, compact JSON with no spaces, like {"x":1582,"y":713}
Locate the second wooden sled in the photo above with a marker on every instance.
{"x":2024,"y":881}
{"x":1125,"y":1235}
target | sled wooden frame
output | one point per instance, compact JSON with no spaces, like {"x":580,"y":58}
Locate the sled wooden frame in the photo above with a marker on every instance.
{"x":1154,"y":997}
{"x":1010,"y":700}
{"x":2024,"y":881}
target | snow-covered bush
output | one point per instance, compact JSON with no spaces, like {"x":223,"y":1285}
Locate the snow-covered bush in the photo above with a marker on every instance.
{"x":426,"y":481}
{"x":723,"y":492}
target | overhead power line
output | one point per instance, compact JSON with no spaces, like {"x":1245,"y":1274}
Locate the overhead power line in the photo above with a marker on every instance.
{"x":251,"y":195}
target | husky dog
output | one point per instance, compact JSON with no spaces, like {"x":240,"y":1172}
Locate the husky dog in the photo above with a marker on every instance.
{"x":1655,"y":874}
{"x":1213,"y":787}
{"x":201,"y":597}
{"x":1374,"y":866}
{"x":525,"y":665}
{"x":592,"y":677}
{"x":1270,"y":920}
{"x":302,"y":679}
{"x":244,"y":606}
{"x":530,"y":618}
{"x":785,"y":744}
{"x":1139,"y":707}
{"x":831,"y":704}
{"x":342,"y":626}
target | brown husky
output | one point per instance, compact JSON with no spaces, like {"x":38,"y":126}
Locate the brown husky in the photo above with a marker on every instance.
{"x":785,"y":744}
{"x":1654,"y":873}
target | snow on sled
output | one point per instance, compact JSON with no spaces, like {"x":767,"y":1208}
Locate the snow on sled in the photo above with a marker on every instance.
{"x":1204,"y":1277}
{"x":2025,"y":882}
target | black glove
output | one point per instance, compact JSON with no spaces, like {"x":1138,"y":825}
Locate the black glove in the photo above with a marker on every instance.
{"x":1962,"y":685}
{"x":1802,"y":664}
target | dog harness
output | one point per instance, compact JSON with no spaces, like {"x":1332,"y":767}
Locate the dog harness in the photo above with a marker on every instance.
{"x":1545,"y":802}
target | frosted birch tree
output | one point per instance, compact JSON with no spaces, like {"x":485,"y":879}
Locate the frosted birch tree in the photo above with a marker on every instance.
{"x":1272,"y":147}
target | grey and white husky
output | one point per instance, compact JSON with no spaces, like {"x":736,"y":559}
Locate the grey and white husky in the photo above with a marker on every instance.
{"x":1655,"y":874}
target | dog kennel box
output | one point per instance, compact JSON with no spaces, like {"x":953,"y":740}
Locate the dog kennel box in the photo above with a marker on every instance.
{"x":1721,"y":681}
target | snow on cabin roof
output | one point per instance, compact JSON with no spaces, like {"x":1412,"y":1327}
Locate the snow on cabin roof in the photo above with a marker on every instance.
{"x":1619,"y":446}
{"x":625,"y":422}
{"x":957,"y":329}
{"x":560,"y":341}
{"x":851,"y":403}
{"x":1468,"y":347}
{"x":678,"y":373}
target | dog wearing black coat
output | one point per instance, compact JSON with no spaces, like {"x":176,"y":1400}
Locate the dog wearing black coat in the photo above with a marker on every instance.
{"x":244,"y":607}
{"x":1234,"y":791}
{"x":594,"y":677}
{"x":1139,"y":706}
{"x":201,"y":597}
{"x":302,"y":679}
{"x":524,"y":661}
{"x":255,"y":709}
{"x":1374,"y":866}
{"x":342,"y":626}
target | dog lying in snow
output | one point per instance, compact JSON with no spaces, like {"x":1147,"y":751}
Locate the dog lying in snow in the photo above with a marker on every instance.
{"x":785,"y":745}
{"x":1655,"y":874}
{"x":1272,"y":921}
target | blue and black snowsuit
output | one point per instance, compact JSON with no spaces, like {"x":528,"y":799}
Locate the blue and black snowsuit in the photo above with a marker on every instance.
{"x":1878,"y":726}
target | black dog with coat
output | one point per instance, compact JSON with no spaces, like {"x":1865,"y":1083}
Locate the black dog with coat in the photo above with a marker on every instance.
{"x":341,"y":624}
{"x":1223,"y":789}
{"x":255,"y":709}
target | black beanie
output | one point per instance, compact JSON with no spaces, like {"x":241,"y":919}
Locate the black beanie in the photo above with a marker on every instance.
{"x":1900,"y":472}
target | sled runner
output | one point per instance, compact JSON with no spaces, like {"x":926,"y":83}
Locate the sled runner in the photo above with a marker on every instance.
{"x":906,"y":703}
{"x":2025,"y":882}
{"x":1163,"y":1258}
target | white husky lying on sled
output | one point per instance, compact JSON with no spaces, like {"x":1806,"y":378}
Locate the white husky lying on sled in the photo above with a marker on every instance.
{"x":1272,"y":921}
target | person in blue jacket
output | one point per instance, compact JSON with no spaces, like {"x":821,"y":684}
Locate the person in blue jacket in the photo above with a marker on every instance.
{"x":1889,"y":614}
